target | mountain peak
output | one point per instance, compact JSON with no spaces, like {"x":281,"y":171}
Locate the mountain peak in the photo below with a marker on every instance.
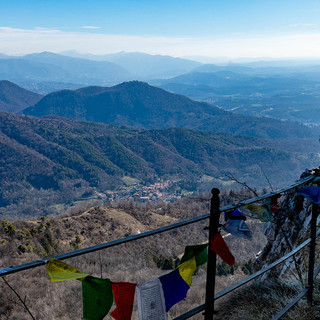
{"x":141,"y":105}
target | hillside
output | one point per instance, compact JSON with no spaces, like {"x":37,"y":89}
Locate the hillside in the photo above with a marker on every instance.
{"x":141,"y":105}
{"x":14,"y":98}
{"x":57,"y":160}
{"x":137,"y":261}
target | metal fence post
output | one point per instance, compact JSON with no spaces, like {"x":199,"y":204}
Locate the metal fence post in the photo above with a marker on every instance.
{"x":211,"y":267}
{"x":313,"y":230}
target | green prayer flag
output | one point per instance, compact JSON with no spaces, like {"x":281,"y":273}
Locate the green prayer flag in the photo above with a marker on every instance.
{"x":198,"y":251}
{"x":97,"y":298}
{"x":262,"y":211}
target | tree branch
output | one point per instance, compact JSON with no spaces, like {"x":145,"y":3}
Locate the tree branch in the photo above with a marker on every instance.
{"x":244,"y":184}
{"x":16,"y":293}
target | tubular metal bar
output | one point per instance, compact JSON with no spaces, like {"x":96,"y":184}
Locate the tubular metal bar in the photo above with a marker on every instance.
{"x":37,"y":263}
{"x":295,"y":300}
{"x":101,"y":246}
{"x":268,"y":195}
{"x":239,"y":284}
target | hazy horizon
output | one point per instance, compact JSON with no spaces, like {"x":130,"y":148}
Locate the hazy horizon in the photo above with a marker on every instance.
{"x":232,"y":29}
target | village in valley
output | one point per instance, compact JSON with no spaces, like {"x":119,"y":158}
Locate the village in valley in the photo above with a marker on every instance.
{"x":166,"y":191}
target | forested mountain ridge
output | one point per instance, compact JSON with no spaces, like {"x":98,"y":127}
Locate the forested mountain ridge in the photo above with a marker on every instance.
{"x":57,"y":160}
{"x":140,"y":105}
{"x":14,"y":98}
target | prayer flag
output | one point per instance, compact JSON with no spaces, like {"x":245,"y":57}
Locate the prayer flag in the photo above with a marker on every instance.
{"x":312,"y":193}
{"x":198,"y":251}
{"x":237,"y":228}
{"x":234,"y":215}
{"x":151,"y":301}
{"x":187,"y":269}
{"x":60,"y":271}
{"x":174,"y":288}
{"x":97,"y":298}
{"x":123,"y":293}
{"x":274,"y":208}
{"x":218,"y":245}
{"x":262,"y":211}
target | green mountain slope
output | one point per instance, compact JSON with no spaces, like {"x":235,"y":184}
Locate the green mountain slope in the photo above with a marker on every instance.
{"x":14,"y":98}
{"x":45,"y":161}
{"x":141,"y":105}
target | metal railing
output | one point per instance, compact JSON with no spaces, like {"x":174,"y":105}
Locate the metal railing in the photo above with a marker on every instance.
{"x":213,"y":217}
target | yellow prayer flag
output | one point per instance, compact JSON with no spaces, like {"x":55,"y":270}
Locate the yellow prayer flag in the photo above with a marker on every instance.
{"x":187,"y":269}
{"x":60,"y":271}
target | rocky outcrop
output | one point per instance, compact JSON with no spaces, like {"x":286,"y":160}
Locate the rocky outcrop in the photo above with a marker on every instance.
{"x":289,"y":228}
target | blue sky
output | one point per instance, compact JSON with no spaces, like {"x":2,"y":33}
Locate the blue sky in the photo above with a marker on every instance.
{"x":230,"y":28}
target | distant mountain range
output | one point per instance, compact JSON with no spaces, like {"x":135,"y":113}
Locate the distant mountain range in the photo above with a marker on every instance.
{"x":142,"y":65}
{"x":47,"y":71}
{"x":52,"y":67}
{"x":277,"y":92}
{"x":14,"y":98}
{"x":140,"y":105}
{"x":45,"y":161}
{"x":286,"y":90}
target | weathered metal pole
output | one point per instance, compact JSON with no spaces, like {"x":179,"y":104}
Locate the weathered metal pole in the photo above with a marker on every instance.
{"x":212,"y":257}
{"x":313,"y":227}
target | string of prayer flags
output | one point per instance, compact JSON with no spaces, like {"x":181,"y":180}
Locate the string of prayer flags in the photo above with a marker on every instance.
{"x":312,"y":192}
{"x":123,"y":293}
{"x":97,"y":298}
{"x":151,"y":301}
{"x":218,"y":245}
{"x":262,"y":211}
{"x":60,"y":271}
{"x":198,"y":251}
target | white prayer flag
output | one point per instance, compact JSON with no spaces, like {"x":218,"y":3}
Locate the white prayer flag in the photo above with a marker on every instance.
{"x":150,"y":301}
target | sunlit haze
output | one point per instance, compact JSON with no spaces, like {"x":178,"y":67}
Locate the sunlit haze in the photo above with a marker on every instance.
{"x":230,"y":29}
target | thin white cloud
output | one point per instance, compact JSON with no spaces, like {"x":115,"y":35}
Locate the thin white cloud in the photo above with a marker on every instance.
{"x":90,"y":27}
{"x":19,"y":41}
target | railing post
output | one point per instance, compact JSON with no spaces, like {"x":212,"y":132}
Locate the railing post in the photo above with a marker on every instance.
{"x":211,"y":267}
{"x":313,"y":230}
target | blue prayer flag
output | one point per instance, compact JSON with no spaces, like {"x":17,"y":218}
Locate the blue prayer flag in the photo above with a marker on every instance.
{"x":174,"y":288}
{"x":312,"y":193}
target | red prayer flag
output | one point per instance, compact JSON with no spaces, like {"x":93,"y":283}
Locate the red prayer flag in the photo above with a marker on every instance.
{"x":274,"y":205}
{"x":218,"y":245}
{"x":123,"y":293}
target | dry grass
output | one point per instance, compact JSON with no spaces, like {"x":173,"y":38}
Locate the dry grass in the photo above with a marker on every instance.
{"x":263,"y":300}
